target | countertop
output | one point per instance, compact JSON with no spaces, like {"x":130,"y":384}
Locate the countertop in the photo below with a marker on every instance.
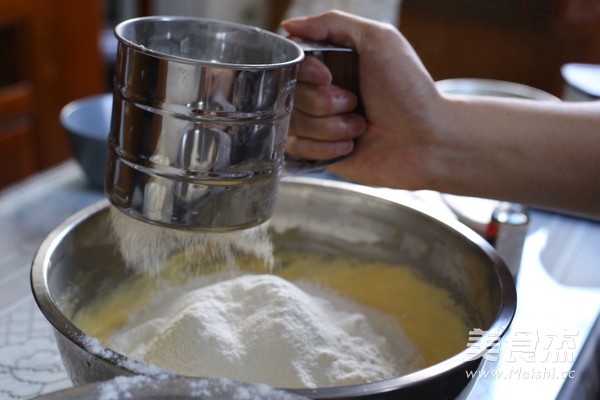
{"x":554,"y":314}
{"x":558,"y":300}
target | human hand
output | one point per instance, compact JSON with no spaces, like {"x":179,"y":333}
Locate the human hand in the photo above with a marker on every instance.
{"x":399,"y":99}
{"x":412,"y":137}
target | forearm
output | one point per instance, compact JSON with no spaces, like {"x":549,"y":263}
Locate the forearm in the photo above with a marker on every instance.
{"x":529,"y":152}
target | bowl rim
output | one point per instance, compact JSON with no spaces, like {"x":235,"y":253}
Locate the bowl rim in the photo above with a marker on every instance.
{"x":500,"y":88}
{"x":463,"y":359}
{"x":72,"y":107}
{"x":166,"y":387}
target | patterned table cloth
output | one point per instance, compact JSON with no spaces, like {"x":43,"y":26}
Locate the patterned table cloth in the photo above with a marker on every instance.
{"x":30,"y":363}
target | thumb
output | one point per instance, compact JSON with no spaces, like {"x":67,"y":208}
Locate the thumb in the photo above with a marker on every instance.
{"x":335,"y":27}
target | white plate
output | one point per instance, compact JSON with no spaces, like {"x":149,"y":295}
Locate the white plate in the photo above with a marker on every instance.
{"x":474,"y":212}
{"x":585,"y":77}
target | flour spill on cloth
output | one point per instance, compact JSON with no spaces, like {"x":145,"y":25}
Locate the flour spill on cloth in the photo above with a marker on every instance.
{"x":262,"y":328}
{"x":147,"y":248}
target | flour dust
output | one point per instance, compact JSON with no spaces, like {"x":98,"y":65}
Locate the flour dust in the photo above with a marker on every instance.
{"x":147,"y":248}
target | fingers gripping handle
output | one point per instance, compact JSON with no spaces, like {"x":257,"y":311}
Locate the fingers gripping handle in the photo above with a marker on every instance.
{"x":343,"y":65}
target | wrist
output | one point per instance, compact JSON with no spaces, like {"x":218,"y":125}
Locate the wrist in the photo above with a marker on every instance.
{"x":446,"y":148}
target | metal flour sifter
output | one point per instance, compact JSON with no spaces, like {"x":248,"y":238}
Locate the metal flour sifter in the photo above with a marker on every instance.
{"x":200,"y":117}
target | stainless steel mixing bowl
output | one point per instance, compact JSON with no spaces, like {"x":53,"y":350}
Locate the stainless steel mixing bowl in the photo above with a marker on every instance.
{"x":79,"y":259}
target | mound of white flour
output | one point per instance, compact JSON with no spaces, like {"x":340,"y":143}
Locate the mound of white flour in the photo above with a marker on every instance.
{"x":264,"y":329}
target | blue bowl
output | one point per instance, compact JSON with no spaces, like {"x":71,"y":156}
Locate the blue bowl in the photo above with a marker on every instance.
{"x":87,"y":123}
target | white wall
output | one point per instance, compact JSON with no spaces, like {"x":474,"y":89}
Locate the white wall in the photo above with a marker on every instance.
{"x":252,"y":12}
{"x":381,"y":10}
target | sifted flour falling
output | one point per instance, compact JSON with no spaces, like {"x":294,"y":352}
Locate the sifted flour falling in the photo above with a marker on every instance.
{"x":147,"y":248}
{"x":262,"y":328}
